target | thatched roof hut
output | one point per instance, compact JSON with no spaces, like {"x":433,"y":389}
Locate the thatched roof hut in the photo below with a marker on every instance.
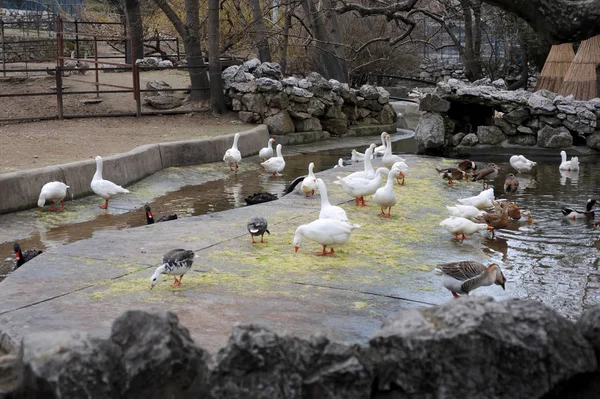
{"x":580,"y":80}
{"x":555,"y":68}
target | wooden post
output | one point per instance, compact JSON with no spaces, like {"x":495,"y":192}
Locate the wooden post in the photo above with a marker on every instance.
{"x":96,"y":65}
{"x":3,"y":48}
{"x":59,"y":97}
{"x":598,"y":80}
{"x":59,"y":43}
{"x":76,"y":39}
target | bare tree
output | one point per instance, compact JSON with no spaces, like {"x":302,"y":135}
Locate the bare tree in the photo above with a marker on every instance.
{"x":217,"y":98}
{"x":135,"y":28}
{"x":262,"y":44}
{"x":190,"y":34}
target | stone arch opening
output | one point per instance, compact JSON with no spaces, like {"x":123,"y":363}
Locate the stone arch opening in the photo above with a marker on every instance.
{"x":467,"y":117}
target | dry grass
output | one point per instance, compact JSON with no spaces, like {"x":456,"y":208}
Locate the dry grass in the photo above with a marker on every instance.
{"x":580,"y":80}
{"x":556,"y":66}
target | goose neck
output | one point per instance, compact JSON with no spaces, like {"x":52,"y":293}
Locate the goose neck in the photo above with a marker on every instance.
{"x":98,"y":174}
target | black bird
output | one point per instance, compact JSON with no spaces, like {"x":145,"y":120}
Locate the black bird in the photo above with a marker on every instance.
{"x":259,"y":198}
{"x":571,"y":213}
{"x":150,"y":217}
{"x":293,"y":184}
{"x":23,"y":257}
{"x":257,"y":226}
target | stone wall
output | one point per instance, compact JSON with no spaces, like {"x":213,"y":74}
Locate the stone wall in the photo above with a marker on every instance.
{"x":22,"y":48}
{"x":471,"y":347}
{"x":462,"y":114}
{"x":260,"y":94}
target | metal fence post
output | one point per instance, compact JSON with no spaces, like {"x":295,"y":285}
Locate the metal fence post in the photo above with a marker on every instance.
{"x":76,"y":39}
{"x":96,"y":65}
{"x":59,"y":96}
{"x":3,"y":48}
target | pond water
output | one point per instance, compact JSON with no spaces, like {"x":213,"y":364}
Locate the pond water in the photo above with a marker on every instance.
{"x":554,"y":260}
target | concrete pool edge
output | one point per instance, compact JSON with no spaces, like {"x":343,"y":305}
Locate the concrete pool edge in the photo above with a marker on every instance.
{"x":22,"y":187}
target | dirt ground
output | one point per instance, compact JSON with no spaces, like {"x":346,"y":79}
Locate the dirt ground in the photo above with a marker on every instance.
{"x":42,"y":143}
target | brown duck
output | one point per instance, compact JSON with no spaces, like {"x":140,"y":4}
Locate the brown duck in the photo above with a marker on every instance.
{"x":496,"y":220}
{"x":468,"y":167}
{"x":487,"y":174}
{"x":452,"y":174}
{"x":510,"y":183}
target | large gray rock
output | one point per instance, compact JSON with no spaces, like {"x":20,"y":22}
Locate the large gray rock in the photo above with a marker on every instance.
{"x":156,"y":86}
{"x":430,"y":132}
{"x":257,"y":363}
{"x":474,"y":347}
{"x":368,"y":92}
{"x":268,"y":70}
{"x":387,"y":115}
{"x":281,"y":123}
{"x":457,"y":138}
{"x":299,"y":95}
{"x":550,"y":137}
{"x":163,"y":102}
{"x":433,"y":103}
{"x":541,"y":103}
{"x":517,"y":116}
{"x":268,"y":85}
{"x":255,"y":102}
{"x":506,"y":127}
{"x":593,"y":140}
{"x":335,"y":127}
{"x":469,"y":140}
{"x":589,"y":326}
{"x":251,"y":65}
{"x":490,"y":135}
{"x":523,"y":139}
{"x":159,"y":358}
{"x":72,"y":365}
{"x":307,"y":125}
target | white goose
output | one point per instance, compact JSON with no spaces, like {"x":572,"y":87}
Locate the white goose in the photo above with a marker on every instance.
{"x":54,"y":192}
{"x":309,"y":183}
{"x":482,"y":200}
{"x":266,"y":152}
{"x":233,"y":156}
{"x":369,"y":171}
{"x":329,"y":211}
{"x":465,"y":211}
{"x":327,"y":232}
{"x":380,"y":150}
{"x":385,"y":196}
{"x":275,"y":164}
{"x":571,"y":165}
{"x":390,"y":159}
{"x":403,"y":169}
{"x":461,"y":226}
{"x":340,"y":163}
{"x":104,"y":188}
{"x":359,"y":156}
{"x":358,"y":188}
{"x":522,"y":164}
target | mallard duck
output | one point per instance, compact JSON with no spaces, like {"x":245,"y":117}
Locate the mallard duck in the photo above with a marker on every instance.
{"x":403,"y":169}
{"x":571,"y":165}
{"x":385,"y":196}
{"x":150,"y":217}
{"x":483,"y":200}
{"x":510,"y":183}
{"x":257,"y":226}
{"x":388,"y":158}
{"x":571,"y":213}
{"x":464,"y":211}
{"x":176,"y":262}
{"x":495,"y":220}
{"x":463,"y":277}
{"x":233,"y":156}
{"x":275,"y":164}
{"x":358,"y":188}
{"x":309,"y":183}
{"x":487,"y":174}
{"x":468,"y":167}
{"x":451,"y":174}
{"x":327,"y":232}
{"x":54,"y":192}
{"x":380,"y":150}
{"x":368,"y":171}
{"x":462,"y":226}
{"x":24,"y":257}
{"x":104,"y":188}
{"x":329,"y":211}
{"x":266,"y":152}
{"x":521,"y":164}
{"x":597,"y":225}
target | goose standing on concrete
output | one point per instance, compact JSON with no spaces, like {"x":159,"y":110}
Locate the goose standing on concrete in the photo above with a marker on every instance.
{"x":257,"y":226}
{"x":233,"y":156}
{"x":340,"y":163}
{"x":329,"y":211}
{"x":327,"y":232}
{"x":150,"y":217}
{"x":390,"y":159}
{"x":464,"y":277}
{"x":176,"y":262}
{"x":275,"y":164}
{"x":23,"y":257}
{"x":309,"y":184}
{"x":369,"y":171}
{"x":380,"y":150}
{"x":385,"y":196}
{"x":266,"y":152}
{"x":54,"y":192}
{"x":104,"y":188}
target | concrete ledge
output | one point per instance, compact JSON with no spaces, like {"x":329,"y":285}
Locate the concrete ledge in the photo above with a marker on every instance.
{"x":301,"y":137}
{"x":370,"y":130}
{"x":20,"y":190}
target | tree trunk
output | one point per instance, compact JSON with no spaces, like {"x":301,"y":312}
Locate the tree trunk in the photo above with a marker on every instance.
{"x":135,"y":29}
{"x":327,"y":61}
{"x":286,"y":39}
{"x":217,"y":98}
{"x":190,"y":34}
{"x":262,"y":44}
{"x":522,"y":82}
{"x":472,"y":53}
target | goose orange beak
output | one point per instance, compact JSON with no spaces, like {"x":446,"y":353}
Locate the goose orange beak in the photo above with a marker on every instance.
{"x":296,"y":249}
{"x":490,"y":228}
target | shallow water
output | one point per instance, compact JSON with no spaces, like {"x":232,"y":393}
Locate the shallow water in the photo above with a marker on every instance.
{"x":554,"y":260}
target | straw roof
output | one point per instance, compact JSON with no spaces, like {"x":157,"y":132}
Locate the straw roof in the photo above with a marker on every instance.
{"x":580,"y":80}
{"x":556,"y":66}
